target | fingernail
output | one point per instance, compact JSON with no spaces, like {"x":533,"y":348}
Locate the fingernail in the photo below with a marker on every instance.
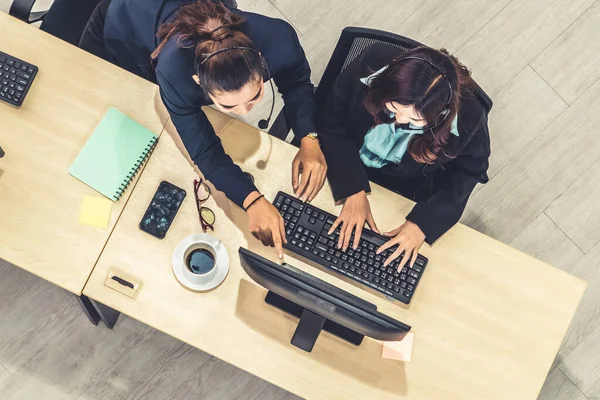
{"x":280,"y":255}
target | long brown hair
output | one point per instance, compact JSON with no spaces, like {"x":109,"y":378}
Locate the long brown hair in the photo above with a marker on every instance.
{"x":417,"y":83}
{"x":207,"y":27}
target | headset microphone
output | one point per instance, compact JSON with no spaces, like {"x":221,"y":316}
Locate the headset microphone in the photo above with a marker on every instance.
{"x":264,"y":123}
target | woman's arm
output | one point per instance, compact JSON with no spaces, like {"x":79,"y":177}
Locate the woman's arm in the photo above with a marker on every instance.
{"x":204,"y":146}
{"x":294,"y":84}
{"x":345,"y":170}
{"x":436,"y":215}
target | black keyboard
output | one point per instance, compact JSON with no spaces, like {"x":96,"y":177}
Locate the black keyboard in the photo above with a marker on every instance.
{"x":16,"y":77}
{"x":306,"y":230}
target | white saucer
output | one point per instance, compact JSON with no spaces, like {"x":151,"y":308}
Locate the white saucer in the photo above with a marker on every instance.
{"x":198,"y":282}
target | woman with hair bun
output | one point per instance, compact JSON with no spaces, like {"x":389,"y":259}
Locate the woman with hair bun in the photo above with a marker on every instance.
{"x":202,"y":52}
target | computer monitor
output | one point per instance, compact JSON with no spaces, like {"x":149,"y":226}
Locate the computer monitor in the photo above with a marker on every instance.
{"x":319,"y":305}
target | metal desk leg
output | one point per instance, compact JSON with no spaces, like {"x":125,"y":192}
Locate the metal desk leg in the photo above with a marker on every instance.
{"x":88,"y":309}
{"x":107,"y":314}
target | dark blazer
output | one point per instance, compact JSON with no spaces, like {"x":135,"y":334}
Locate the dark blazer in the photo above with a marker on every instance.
{"x":441,"y":190}
{"x":130,"y":37}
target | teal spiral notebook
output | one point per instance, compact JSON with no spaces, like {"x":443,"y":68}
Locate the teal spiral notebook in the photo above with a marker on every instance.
{"x":113,"y":154}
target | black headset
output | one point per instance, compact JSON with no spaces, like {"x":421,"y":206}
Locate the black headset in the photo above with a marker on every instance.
{"x":263,"y":123}
{"x":446,"y":111}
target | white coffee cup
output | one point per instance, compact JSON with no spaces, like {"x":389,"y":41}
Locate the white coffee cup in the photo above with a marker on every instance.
{"x":200,"y":262}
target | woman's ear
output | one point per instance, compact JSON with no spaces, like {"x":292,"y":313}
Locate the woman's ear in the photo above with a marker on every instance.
{"x":196,"y":79}
{"x":390,"y":107}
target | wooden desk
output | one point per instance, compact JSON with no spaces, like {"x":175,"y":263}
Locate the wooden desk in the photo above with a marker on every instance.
{"x":488,"y":320}
{"x":39,"y":200}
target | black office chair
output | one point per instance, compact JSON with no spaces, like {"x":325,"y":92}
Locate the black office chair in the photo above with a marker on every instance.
{"x":353,"y":41}
{"x":65,"y":19}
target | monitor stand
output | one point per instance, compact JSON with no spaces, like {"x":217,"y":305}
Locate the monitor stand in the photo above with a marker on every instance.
{"x":311,"y":324}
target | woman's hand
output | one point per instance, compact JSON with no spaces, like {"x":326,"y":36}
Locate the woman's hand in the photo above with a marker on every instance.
{"x":355,"y":212}
{"x":409,"y":238}
{"x":309,"y":170}
{"x":265,"y":223}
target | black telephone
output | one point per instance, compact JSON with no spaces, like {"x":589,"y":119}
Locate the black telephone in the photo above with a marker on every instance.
{"x":162,"y":209}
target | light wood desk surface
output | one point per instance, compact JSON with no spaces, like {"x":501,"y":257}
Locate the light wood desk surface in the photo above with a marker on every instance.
{"x":39,"y":200}
{"x":488,"y":320}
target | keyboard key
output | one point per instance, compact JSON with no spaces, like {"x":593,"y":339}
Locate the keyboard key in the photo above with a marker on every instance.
{"x":407,"y":294}
{"x":308,"y":210}
{"x":321,"y":217}
{"x":410,"y":287}
{"x":23,"y":75}
{"x":296,"y":205}
{"x":414,"y":274}
{"x":412,"y":281}
{"x":321,"y":247}
{"x":417,"y":267}
{"x":312,"y":220}
{"x":403,"y":285}
{"x":396,"y":289}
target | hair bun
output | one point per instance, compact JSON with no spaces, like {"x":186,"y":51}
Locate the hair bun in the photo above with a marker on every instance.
{"x":220,"y":33}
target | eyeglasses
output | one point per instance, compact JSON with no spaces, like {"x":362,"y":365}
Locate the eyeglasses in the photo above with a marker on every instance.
{"x":207,"y":216}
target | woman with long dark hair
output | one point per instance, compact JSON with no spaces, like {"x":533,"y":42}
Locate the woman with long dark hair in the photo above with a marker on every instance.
{"x":406,"y":121}
{"x":201,"y":52}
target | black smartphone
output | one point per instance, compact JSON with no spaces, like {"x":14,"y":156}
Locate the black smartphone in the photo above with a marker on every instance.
{"x":162,"y":209}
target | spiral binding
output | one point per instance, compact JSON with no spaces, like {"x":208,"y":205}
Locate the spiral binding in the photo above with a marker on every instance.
{"x":136,"y":167}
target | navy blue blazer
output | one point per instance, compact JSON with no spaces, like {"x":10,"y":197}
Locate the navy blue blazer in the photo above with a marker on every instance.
{"x":130,"y":37}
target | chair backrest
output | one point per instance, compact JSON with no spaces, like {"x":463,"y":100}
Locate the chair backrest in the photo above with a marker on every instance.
{"x":353,"y":41}
{"x":67,"y":19}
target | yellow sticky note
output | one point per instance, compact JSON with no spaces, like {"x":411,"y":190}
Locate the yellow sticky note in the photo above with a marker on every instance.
{"x":401,"y":350}
{"x":95,"y":211}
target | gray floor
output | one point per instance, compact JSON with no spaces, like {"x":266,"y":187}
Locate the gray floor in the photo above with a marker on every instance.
{"x":538,"y":59}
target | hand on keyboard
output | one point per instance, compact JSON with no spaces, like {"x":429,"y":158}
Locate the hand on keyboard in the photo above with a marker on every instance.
{"x":409,"y":238}
{"x":266,"y":224}
{"x":355,"y":212}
